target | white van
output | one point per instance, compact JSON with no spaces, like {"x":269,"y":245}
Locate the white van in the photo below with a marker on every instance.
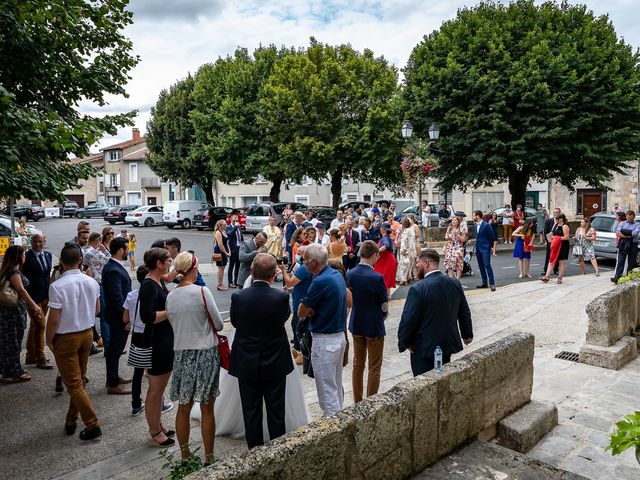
{"x":181,"y":212}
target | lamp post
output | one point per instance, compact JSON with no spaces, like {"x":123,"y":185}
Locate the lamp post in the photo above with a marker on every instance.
{"x":434,"y":134}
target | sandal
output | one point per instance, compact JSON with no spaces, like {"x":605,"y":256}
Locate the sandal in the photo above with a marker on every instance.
{"x":168,"y":433}
{"x":154,"y":443}
{"x":25,"y":377}
{"x":544,"y":279}
{"x":221,"y":288}
{"x":559,"y":281}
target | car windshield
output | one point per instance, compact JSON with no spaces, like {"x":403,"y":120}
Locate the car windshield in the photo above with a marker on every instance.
{"x":279,"y":208}
{"x":603,"y":224}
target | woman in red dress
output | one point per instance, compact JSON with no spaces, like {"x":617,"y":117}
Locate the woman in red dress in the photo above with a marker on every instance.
{"x":386,"y":264}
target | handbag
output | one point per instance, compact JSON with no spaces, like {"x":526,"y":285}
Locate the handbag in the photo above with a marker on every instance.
{"x":345,"y":358}
{"x":577,"y":250}
{"x":139,"y":357}
{"x":215,"y":257}
{"x":223,"y":342}
{"x":8,"y":294}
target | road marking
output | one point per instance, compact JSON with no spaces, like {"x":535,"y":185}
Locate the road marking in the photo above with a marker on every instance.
{"x":507,"y":268}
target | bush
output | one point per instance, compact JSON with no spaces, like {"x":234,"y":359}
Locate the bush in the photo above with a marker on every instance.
{"x":626,"y":435}
{"x":179,"y":469}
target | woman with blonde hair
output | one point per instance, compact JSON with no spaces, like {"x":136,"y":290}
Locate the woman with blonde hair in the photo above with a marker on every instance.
{"x":337,"y":246}
{"x":221,"y":251}
{"x":583,"y":249}
{"x":454,"y":249}
{"x":194,"y":317}
{"x":406,"y":253}
{"x":524,"y":247}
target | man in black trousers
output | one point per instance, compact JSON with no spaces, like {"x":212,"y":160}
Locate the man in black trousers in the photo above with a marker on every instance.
{"x":261,"y":356}
{"x":549,"y":225}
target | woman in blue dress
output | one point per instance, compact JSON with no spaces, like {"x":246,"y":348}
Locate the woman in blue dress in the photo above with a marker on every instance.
{"x":524,"y":246}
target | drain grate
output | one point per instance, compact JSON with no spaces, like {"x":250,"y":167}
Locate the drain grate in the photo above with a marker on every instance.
{"x":570,"y":356}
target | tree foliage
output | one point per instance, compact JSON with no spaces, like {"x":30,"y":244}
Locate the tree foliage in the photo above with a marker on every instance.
{"x":53,"y":55}
{"x":526,"y":91}
{"x":330,"y":108}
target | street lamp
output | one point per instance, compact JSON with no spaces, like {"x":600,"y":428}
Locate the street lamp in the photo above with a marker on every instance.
{"x":407,"y":130}
{"x":434,"y":132}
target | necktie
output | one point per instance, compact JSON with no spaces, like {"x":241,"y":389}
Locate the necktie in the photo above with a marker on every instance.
{"x":350,"y":240}
{"x":43,"y":263}
{"x":238,"y":235}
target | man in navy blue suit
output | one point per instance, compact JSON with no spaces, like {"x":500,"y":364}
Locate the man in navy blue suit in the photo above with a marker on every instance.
{"x":116,"y":283}
{"x":234,"y":234}
{"x":484,"y":242}
{"x":368,"y":312}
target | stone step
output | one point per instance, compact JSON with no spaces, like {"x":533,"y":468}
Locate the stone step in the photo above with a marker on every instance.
{"x":521,"y":430}
{"x":489,"y":461}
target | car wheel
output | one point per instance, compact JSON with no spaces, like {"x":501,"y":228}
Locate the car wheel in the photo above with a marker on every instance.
{"x":186,"y":224}
{"x":148,"y":222}
{"x":78,"y":215}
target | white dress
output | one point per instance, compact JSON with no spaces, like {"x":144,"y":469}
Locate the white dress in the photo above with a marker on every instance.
{"x":228,"y":407}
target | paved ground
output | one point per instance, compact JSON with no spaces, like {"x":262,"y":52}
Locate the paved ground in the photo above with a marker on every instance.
{"x":590,"y":400}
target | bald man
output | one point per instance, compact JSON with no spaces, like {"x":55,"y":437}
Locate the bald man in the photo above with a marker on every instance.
{"x":37,"y":269}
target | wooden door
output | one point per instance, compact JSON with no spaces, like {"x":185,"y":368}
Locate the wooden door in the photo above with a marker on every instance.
{"x":592,"y":203}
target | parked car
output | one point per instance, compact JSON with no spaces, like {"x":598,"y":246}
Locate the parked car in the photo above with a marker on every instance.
{"x":148,"y":215}
{"x":433,"y":216}
{"x":5,"y":227}
{"x":605,"y":244}
{"x":118,"y":213}
{"x":242,"y":217}
{"x":68,"y":208}
{"x":324,"y":214}
{"x":528,"y":213}
{"x":30,"y":212}
{"x":258,"y":214}
{"x":181,"y":212}
{"x":92,"y":210}
{"x":207,"y":217}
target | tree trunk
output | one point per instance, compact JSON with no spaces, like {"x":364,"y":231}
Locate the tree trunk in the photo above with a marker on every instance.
{"x":207,"y":186}
{"x":518,"y":181}
{"x":336,"y":187}
{"x":274,"y":193}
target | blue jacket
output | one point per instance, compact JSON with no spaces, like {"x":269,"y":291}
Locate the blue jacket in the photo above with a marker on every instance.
{"x":38,"y":277}
{"x":234,"y":244}
{"x":116,"y":284}
{"x":435,"y":313}
{"x":484,"y":238}
{"x":369,"y":295}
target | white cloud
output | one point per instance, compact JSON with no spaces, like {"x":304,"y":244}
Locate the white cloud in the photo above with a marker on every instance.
{"x":174,"y":38}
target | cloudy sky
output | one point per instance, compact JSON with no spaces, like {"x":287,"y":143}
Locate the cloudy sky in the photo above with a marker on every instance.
{"x":174,"y":37}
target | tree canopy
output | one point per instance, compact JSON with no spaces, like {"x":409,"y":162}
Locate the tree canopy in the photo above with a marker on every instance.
{"x":524,"y":91}
{"x":53,"y":55}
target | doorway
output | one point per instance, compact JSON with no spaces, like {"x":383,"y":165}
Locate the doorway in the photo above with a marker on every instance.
{"x":590,"y":202}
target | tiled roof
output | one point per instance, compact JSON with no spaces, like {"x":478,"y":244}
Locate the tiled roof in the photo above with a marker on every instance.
{"x":91,"y":158}
{"x":123,"y":145}
{"x":140,"y":153}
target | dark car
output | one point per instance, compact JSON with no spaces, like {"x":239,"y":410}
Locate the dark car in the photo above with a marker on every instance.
{"x":68,"y":208}
{"x":30,"y":212}
{"x":207,"y":217}
{"x":324,"y":214}
{"x":118,"y":213}
{"x":92,"y":210}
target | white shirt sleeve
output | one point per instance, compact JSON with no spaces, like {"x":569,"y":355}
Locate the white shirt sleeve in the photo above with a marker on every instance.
{"x":55,"y":299}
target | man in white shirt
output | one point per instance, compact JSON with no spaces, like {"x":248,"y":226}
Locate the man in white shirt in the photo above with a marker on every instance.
{"x":74,"y":302}
{"x":339,"y":220}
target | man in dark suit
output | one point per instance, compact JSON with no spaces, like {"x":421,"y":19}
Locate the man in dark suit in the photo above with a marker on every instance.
{"x":290,"y":229}
{"x":369,"y":309}
{"x":37,"y":269}
{"x":261,"y":358}
{"x":484,"y":243}
{"x":116,"y":284}
{"x":435,"y":313}
{"x":549,"y":225}
{"x":234,"y":233}
{"x":247,"y":252}
{"x":352,"y":239}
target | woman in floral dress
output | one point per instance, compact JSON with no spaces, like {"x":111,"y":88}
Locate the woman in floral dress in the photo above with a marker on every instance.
{"x":406,"y":252}
{"x":585,"y":235}
{"x":454,"y":249}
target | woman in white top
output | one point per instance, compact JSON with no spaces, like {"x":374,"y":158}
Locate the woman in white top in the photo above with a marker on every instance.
{"x":193,"y":314}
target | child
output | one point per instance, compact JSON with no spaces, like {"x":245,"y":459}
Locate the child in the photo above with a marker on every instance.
{"x":139,"y":348}
{"x":132,"y":251}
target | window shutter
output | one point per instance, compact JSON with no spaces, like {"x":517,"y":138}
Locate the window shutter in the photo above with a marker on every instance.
{"x":107,"y":181}
{"x":118,"y":179}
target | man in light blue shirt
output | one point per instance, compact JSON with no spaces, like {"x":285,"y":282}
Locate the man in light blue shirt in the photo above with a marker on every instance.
{"x":627,"y":233}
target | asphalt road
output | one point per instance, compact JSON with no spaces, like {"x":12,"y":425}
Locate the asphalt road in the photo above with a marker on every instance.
{"x":505,"y":267}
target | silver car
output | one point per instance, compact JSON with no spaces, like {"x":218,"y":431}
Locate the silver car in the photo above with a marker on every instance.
{"x":258,"y":214}
{"x":605,"y":244}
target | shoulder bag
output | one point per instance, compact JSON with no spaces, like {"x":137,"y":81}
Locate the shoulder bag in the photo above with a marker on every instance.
{"x":223,"y":342}
{"x":139,"y":357}
{"x":8,"y":294}
{"x":215,"y":257}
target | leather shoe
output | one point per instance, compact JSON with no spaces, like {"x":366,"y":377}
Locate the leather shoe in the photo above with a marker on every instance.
{"x":493,"y":288}
{"x":119,"y":390}
{"x":70,"y":429}
{"x":125,"y":380}
{"x":484,"y":285}
{"x":45,"y":364}
{"x":90,"y":434}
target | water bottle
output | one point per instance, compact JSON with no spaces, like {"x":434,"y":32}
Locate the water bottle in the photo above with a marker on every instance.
{"x":438,"y":359}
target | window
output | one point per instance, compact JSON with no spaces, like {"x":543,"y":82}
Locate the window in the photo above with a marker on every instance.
{"x":302,"y":199}
{"x":101,"y":186}
{"x":246,"y":201}
{"x":231,"y":202}
{"x":603,"y":224}
{"x":134,"y":198}
{"x":351,"y":196}
{"x":486,"y":201}
{"x":366,"y":198}
{"x":113,"y":200}
{"x":114,"y":180}
{"x":115,"y":155}
{"x":133,"y":172}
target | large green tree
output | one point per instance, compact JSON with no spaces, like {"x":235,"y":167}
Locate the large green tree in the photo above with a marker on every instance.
{"x":171,"y":137}
{"x":55,"y":54}
{"x":330,"y":110}
{"x":525,"y":91}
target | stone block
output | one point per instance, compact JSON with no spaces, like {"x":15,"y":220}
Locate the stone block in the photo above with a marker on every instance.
{"x":381,"y":436}
{"x":488,"y":434}
{"x":508,"y":376}
{"x":612,"y":315}
{"x":613,"y":357}
{"x":422,"y":395}
{"x":521,"y":430}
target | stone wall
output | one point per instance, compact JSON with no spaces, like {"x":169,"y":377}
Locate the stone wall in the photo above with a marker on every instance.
{"x":614,"y":318}
{"x":399,"y":433}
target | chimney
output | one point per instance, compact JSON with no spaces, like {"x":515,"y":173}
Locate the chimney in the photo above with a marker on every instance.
{"x":135,"y":133}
